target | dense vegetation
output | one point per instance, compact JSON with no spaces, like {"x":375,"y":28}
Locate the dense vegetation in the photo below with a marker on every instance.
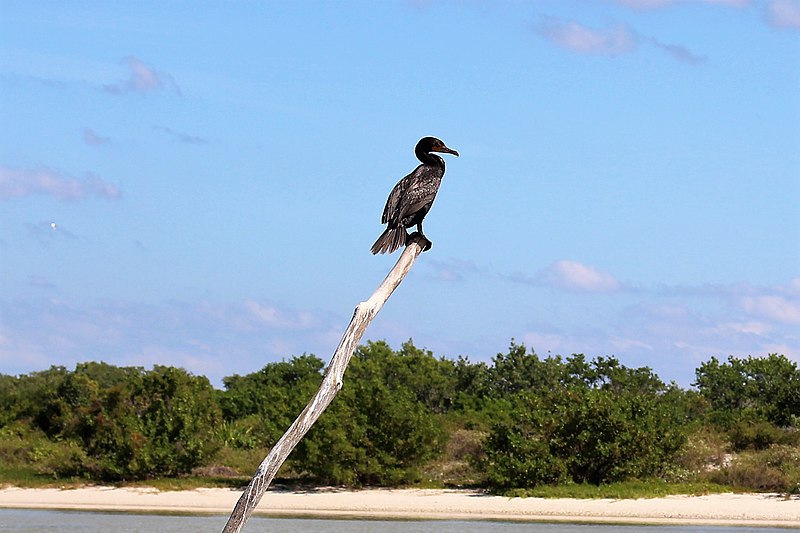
{"x":408,"y":417}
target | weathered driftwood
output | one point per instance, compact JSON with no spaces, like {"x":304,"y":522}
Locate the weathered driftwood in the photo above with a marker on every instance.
{"x":331,"y":384}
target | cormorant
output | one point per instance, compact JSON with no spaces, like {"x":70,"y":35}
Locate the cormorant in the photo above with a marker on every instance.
{"x":412,"y":197}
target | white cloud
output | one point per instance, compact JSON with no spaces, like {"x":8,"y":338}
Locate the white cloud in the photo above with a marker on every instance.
{"x":15,"y":183}
{"x":143,"y":79}
{"x":575,"y":276}
{"x":576,"y":37}
{"x":773,"y":307}
{"x":670,"y":330}
{"x":271,"y":316}
{"x":793,"y":287}
{"x":626,"y":345}
{"x":611,"y":41}
{"x":779,"y":13}
{"x":215,"y":339}
{"x":784,"y":14}
{"x":748,"y":328}
{"x":555,"y":343}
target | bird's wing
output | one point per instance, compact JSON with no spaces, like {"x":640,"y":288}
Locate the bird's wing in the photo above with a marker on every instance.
{"x":418,"y":195}
{"x":393,"y":203}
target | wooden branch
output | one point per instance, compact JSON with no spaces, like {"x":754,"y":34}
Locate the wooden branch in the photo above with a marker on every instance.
{"x":331,"y":384}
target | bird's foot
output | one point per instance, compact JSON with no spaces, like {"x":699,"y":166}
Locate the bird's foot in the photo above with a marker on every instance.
{"x":423,"y":240}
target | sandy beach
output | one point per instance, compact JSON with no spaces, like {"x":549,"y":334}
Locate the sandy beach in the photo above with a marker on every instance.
{"x":717,"y":509}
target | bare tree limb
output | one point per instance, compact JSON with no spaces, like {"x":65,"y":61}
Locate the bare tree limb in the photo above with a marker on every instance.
{"x":331,"y":384}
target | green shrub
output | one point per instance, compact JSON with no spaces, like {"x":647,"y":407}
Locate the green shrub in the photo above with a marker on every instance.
{"x":759,"y":435}
{"x":776,"y":469}
{"x":705,"y":449}
{"x":15,"y":443}
{"x":516,"y":456}
{"x":755,"y":388}
{"x":61,"y":459}
{"x":243,"y":461}
{"x":378,"y":430}
{"x":582,"y":421}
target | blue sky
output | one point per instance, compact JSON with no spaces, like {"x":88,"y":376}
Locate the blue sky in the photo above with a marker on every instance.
{"x":198,"y":184}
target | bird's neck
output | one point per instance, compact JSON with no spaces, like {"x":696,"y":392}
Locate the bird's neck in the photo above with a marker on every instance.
{"x":429,"y":158}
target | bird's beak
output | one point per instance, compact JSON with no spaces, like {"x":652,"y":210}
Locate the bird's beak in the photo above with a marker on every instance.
{"x":445,"y":150}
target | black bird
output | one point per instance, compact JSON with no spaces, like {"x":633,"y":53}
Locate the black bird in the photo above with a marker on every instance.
{"x":412,"y":197}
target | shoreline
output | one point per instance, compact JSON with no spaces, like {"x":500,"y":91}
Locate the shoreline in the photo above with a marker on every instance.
{"x":754,"y":510}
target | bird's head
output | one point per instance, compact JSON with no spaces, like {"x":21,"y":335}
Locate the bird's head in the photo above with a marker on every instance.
{"x":427,"y":145}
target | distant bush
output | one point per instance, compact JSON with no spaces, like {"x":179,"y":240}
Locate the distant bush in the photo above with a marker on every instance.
{"x":113,"y":423}
{"x":751,"y":389}
{"x":60,"y":459}
{"x":243,"y":461}
{"x":776,"y":469}
{"x":584,"y":422}
{"x":381,"y":427}
{"x":760,"y":435}
{"x":405,"y":416}
{"x":15,"y":442}
{"x":705,"y":449}
{"x":259,"y":407}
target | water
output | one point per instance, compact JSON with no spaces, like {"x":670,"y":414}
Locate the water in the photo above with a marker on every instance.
{"x":34,"y":521}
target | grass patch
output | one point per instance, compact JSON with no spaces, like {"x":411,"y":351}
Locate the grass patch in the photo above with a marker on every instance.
{"x":27,"y":476}
{"x":191,"y":483}
{"x":625,"y":490}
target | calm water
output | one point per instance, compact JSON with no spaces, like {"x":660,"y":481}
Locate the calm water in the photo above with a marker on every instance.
{"x":30,"y":521}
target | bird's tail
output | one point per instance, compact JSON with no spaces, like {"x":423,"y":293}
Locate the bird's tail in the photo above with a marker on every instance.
{"x":390,"y":240}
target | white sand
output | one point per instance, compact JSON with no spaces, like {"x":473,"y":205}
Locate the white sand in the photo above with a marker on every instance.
{"x":717,"y":509}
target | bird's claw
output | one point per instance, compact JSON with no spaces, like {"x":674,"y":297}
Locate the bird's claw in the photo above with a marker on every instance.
{"x":424,"y":242}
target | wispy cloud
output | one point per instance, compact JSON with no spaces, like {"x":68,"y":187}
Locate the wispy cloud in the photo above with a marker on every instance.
{"x":610,"y":41}
{"x":93,"y":139}
{"x":143,"y":79}
{"x":773,"y":307}
{"x":660,"y":328}
{"x":575,"y":37}
{"x":679,"y":53}
{"x":784,"y":14}
{"x":46,"y":232}
{"x":777,"y":304}
{"x":673,"y":336}
{"x":571,"y":276}
{"x":450,"y":269}
{"x":671,"y":339}
{"x":275,"y":317}
{"x":575,"y":276}
{"x":793,"y":288}
{"x":16,"y":183}
{"x":180,"y":136}
{"x":216,"y":339}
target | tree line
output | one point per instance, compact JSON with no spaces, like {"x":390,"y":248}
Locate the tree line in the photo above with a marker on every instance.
{"x":406,"y":416}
